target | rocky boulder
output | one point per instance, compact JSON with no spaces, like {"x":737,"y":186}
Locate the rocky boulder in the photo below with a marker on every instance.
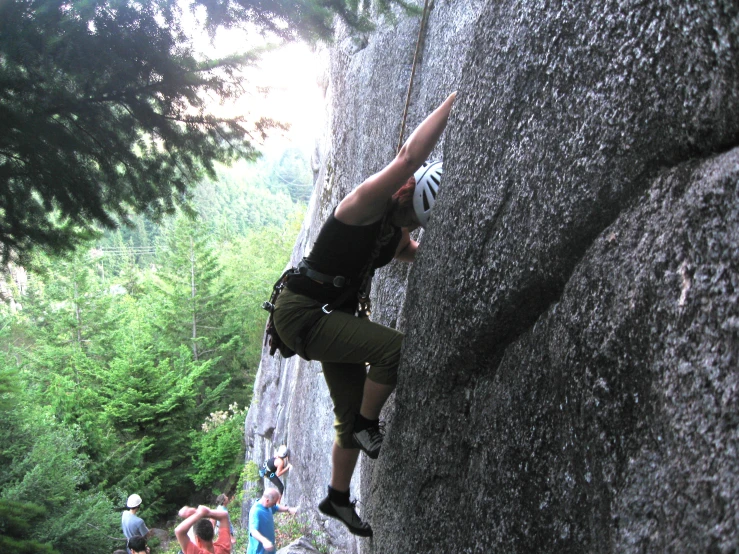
{"x":569,"y":373}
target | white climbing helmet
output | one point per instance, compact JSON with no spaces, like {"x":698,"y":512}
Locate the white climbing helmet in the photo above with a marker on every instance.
{"x":134,"y":501}
{"x":282,"y":451}
{"x":428,"y":179}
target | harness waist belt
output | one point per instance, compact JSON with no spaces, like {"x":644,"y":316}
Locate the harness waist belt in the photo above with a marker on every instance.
{"x":338,"y":281}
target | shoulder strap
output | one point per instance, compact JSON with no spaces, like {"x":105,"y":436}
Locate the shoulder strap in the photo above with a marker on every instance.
{"x":383,"y":237}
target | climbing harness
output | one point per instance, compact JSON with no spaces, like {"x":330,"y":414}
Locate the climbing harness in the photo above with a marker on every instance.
{"x":358,"y":286}
{"x":364,"y":307}
{"x":265,"y":471}
{"x":424,"y":19}
{"x":271,"y":336}
{"x":339,"y":281}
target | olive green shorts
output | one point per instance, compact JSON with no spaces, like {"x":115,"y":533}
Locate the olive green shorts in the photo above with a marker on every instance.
{"x":345,"y":345}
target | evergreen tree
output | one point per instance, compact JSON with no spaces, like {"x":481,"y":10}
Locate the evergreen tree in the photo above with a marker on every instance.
{"x":292,"y":173}
{"x":102,"y":109}
{"x":45,"y":502}
{"x":309,"y":19}
{"x":253,"y":263}
{"x":196,"y":301}
{"x":62,"y":342}
{"x":154,"y":406}
{"x":16,"y":528}
{"x":101,"y":113}
{"x":241,"y":200}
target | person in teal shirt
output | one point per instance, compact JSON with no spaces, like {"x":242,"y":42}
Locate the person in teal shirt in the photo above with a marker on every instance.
{"x":262,"y":523}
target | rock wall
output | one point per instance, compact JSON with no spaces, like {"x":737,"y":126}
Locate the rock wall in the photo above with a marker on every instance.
{"x":569,"y":375}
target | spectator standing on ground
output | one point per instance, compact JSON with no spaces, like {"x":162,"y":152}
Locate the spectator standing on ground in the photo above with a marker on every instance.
{"x":137,"y":545}
{"x":198,"y":519}
{"x":223,"y":500}
{"x":262,"y":523}
{"x":131,"y":523}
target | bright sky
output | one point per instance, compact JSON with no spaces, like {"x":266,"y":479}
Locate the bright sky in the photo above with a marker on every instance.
{"x":291,"y":73}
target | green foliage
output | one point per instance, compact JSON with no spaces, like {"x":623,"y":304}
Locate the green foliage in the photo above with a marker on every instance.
{"x":16,"y":526}
{"x":44,"y":464}
{"x":250,"y":196}
{"x":244,"y":198}
{"x":101,"y":114}
{"x":134,"y":404}
{"x":250,"y":472}
{"x":107,"y":359}
{"x":218,"y":446}
{"x":311,"y":20}
{"x":289,"y":170}
{"x":268,"y":251}
{"x":193,"y":301}
{"x":103,"y":109}
{"x":290,"y":528}
{"x":8,"y":387}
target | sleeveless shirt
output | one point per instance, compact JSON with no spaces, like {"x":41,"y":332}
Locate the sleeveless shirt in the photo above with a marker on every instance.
{"x":342,"y":249}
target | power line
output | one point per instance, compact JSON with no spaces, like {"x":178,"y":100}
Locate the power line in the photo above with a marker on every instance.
{"x":126,"y":250}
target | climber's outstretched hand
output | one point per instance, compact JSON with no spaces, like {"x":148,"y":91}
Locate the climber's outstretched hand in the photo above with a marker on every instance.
{"x":367,"y":203}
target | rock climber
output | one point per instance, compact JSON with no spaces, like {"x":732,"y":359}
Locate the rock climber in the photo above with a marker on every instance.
{"x":276,"y":467}
{"x":315,"y":314}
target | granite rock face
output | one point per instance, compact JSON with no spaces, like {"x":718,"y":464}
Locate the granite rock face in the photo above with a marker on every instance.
{"x":569,"y":376}
{"x":300,"y":546}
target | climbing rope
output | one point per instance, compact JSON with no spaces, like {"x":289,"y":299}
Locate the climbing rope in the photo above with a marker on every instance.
{"x":424,"y":18}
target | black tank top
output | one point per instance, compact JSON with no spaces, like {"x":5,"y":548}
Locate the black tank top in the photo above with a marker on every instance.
{"x":342,"y":249}
{"x":270,"y":464}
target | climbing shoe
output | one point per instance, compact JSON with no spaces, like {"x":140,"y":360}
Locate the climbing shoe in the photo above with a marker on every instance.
{"x":370,"y":439}
{"x":346,"y":515}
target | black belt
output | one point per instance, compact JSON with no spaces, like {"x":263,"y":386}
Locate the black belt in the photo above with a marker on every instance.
{"x":326,"y":309}
{"x":339,"y":281}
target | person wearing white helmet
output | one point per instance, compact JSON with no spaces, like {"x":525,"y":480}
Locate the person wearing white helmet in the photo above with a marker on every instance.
{"x":131,"y":524}
{"x":276,"y":467}
{"x":320,"y":312}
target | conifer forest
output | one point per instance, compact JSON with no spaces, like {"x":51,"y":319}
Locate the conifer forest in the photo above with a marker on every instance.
{"x":139,"y":234}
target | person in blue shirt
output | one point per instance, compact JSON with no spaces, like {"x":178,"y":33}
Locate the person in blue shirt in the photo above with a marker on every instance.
{"x":131,"y":524}
{"x":262,"y":523}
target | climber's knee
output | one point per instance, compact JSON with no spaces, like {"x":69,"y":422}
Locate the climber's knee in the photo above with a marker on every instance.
{"x":385,"y":370}
{"x":343,"y":431}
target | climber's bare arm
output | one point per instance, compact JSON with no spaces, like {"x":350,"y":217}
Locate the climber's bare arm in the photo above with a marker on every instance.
{"x":282,"y":467}
{"x":367,"y":203}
